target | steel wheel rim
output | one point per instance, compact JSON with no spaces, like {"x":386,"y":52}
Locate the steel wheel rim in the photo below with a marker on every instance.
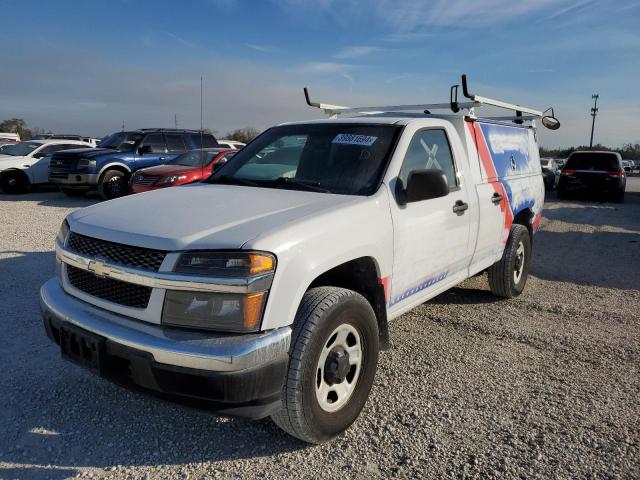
{"x":332,"y":396}
{"x":519,"y":264}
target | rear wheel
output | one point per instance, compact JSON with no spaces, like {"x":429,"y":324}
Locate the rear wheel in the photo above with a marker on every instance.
{"x":508,"y":277}
{"x":332,"y":364}
{"x":618,"y":197}
{"x":14,"y":182}
{"x":113,"y":184}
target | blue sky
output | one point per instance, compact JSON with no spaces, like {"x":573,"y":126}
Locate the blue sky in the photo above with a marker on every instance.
{"x":77,"y":66}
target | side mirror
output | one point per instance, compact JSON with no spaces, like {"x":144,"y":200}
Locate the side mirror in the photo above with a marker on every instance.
{"x":219,"y":164}
{"x":422,"y":185}
{"x":550,"y":122}
{"x":38,"y":155}
{"x":144,"y":149}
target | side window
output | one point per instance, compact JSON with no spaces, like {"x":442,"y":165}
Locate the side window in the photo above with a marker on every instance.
{"x":51,"y":149}
{"x":155,"y":141}
{"x":175,"y":142}
{"x":429,"y":149}
{"x":206,"y":142}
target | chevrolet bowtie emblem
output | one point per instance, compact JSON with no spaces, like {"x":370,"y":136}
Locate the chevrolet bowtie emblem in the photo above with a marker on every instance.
{"x":99,"y":268}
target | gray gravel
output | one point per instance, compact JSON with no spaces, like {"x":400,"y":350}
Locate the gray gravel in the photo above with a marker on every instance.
{"x":545,"y":385}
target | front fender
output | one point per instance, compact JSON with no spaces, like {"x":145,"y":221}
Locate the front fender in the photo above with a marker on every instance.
{"x":312,"y":246}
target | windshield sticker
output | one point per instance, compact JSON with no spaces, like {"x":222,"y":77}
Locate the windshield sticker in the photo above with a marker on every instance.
{"x":352,"y":139}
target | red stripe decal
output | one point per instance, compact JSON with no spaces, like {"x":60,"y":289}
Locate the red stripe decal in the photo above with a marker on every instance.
{"x":385,"y":284}
{"x":492,"y":176}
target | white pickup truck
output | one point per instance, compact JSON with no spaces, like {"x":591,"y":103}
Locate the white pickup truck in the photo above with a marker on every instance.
{"x":266,"y":290}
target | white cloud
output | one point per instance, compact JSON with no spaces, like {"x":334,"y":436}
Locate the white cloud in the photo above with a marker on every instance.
{"x":262,"y":48}
{"x":356,"y":51}
{"x":180,"y":40}
{"x":325,"y":69}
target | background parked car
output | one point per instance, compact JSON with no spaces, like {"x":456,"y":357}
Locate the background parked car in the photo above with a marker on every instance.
{"x":593,"y":173}
{"x":189,"y":167}
{"x":27,"y":163}
{"x":232,"y":144}
{"x":107,"y":169}
{"x":9,"y":138}
{"x":549,"y":173}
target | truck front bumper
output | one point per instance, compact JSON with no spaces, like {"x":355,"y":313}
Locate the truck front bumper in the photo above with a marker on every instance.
{"x":232,"y":374}
{"x":83,"y":181}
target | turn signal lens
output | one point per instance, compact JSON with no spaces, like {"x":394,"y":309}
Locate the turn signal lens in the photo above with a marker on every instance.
{"x":63,"y":232}
{"x":253,"y":304}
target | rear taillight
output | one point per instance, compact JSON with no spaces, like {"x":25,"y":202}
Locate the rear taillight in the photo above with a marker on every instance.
{"x":567,"y":172}
{"x":616,"y":173}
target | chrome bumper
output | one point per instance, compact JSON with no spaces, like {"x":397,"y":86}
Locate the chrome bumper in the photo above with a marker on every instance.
{"x":183,"y":348}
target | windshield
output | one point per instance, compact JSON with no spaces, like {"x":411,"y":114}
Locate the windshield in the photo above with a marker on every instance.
{"x":342,"y":158}
{"x":21,"y":149}
{"x":194,"y":158}
{"x":124,"y":141}
{"x":593,"y":161}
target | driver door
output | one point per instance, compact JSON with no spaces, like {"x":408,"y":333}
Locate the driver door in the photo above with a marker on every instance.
{"x":154,"y":151}
{"x":38,"y":172}
{"x":431,"y":240}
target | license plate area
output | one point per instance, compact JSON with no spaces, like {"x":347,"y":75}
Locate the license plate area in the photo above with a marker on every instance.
{"x":82,"y":347}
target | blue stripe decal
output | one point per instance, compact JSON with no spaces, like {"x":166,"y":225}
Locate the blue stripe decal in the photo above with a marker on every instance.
{"x":430,"y":281}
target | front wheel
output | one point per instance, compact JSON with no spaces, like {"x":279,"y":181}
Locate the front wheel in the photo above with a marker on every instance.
{"x":14,"y":182}
{"x":112,"y":185}
{"x":332,"y":364}
{"x":508,"y":277}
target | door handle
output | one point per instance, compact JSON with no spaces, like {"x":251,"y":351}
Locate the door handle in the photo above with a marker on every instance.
{"x":162,"y":158}
{"x":496,"y":199}
{"x":459,"y":207}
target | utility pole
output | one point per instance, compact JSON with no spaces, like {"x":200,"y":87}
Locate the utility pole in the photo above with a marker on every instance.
{"x":594,"y":112}
{"x":175,"y":120}
{"x":123,"y":125}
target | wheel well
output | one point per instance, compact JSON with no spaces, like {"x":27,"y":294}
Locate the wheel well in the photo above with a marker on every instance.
{"x":525,"y":217}
{"x":119,"y":168}
{"x":15,"y":170}
{"x":360,"y":275}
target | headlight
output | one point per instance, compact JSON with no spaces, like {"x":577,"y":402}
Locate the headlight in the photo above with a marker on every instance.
{"x":86,"y":163}
{"x":225,"y":264}
{"x":172,"y":179}
{"x":63,"y":232}
{"x":227,"y":312}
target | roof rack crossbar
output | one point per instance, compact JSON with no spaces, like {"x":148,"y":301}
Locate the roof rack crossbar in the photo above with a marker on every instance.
{"x":453,"y":105}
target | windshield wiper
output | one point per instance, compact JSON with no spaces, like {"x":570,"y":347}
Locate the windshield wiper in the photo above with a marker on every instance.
{"x":309,"y":185}
{"x":228,"y":180}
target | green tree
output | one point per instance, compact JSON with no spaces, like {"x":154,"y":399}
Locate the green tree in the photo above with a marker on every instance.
{"x":244,"y":135}
{"x":16,"y":125}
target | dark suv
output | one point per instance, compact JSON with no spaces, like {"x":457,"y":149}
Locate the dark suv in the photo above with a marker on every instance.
{"x":107,"y":169}
{"x":593,"y":173}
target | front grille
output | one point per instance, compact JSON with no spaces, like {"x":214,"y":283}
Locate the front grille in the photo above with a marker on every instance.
{"x":115,"y":291}
{"x":64,"y":160}
{"x":127,"y":255}
{"x":144,"y":180}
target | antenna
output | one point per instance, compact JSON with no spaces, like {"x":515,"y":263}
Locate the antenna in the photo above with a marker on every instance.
{"x":201,"y":152}
{"x":594,"y":112}
{"x":123,"y":125}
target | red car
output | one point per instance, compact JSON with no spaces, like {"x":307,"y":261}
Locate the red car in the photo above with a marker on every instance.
{"x":189,"y":167}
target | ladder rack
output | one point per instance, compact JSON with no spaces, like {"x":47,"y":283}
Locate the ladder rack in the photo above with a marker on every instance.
{"x":453,"y":105}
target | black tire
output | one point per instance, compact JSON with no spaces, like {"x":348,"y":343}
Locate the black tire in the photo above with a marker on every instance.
{"x":618,"y":197}
{"x":113,"y":184}
{"x":323,"y":311}
{"x":71,"y":192}
{"x":502,"y":275}
{"x":14,"y":182}
{"x":562,"y":194}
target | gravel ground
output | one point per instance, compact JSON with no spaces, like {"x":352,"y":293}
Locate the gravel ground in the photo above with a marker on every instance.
{"x":545,"y":385}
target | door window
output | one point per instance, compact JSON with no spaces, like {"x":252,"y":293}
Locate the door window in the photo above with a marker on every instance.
{"x":429,"y":149}
{"x":175,"y":142}
{"x":155,"y":141}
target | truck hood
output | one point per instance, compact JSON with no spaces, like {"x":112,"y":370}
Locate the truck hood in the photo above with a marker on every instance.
{"x":89,"y":152}
{"x":200,"y":216}
{"x":13,"y":161}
